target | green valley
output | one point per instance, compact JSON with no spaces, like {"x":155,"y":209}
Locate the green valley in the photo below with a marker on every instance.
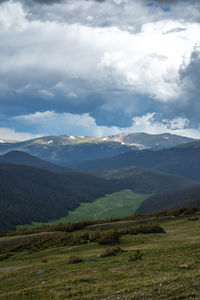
{"x":115,"y":205}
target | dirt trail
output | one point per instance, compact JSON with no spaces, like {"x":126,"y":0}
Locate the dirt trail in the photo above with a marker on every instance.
{"x":119,"y":224}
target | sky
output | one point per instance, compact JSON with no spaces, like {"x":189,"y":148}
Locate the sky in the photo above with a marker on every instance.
{"x":99,"y":67}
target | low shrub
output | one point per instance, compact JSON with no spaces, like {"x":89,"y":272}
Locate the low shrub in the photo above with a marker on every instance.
{"x":143,"y":228}
{"x":4,"y":256}
{"x":109,"y":238}
{"x":111,"y":251}
{"x":135,"y":256}
{"x":74,"y":260}
{"x":95,"y":236}
{"x":193,"y":219}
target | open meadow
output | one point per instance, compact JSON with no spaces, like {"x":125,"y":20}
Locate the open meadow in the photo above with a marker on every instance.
{"x":146,"y":266}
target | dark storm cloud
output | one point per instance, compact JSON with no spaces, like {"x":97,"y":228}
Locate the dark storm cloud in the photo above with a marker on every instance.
{"x":61,"y":56}
{"x":192,"y":71}
{"x":49,"y":2}
{"x":166,"y":2}
{"x":190,"y":77}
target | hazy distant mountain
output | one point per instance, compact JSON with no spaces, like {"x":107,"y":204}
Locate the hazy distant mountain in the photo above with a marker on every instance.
{"x":143,"y":180}
{"x":144,"y":140}
{"x":170,"y":200}
{"x":66,"y":150}
{"x":183,"y":160}
{"x":22,"y":158}
{"x":31,"y":194}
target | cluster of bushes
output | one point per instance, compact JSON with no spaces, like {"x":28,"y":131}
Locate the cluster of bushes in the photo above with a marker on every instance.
{"x":71,"y":227}
{"x":35,"y":243}
{"x":111,"y":237}
{"x":143,"y":228}
{"x":65,"y":227}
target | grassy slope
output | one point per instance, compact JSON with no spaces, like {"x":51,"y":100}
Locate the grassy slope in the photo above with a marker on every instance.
{"x":119,"y":204}
{"x":169,"y":269}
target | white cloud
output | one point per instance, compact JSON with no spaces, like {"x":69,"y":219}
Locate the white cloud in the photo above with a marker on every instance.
{"x":9,"y":134}
{"x":148,"y":123}
{"x":85,"y":125}
{"x":46,"y":93}
{"x":66,"y":123}
{"x":46,"y":53}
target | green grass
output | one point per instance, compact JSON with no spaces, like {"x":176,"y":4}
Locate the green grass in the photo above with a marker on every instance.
{"x":119,"y":204}
{"x":169,"y":269}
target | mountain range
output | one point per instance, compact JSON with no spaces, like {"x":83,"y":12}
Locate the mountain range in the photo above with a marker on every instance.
{"x":182,"y":160}
{"x":67,"y":150}
{"x":34,"y":189}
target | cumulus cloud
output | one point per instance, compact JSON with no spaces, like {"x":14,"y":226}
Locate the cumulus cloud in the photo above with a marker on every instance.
{"x":12,"y":135}
{"x":127,"y":14}
{"x":66,"y":123}
{"x":191,"y":72}
{"x":50,"y":122}
{"x":49,"y":52}
{"x":110,"y":61}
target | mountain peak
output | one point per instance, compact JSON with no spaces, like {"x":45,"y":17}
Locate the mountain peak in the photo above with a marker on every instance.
{"x":143,"y":140}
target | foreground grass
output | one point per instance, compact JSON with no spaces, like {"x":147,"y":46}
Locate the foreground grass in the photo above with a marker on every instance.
{"x":169,"y":269}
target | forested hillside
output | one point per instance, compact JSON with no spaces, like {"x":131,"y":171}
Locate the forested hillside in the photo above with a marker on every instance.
{"x":22,"y":158}
{"x":142,"y":180}
{"x":170,"y":200}
{"x":180,"y":160}
{"x":30,"y":194}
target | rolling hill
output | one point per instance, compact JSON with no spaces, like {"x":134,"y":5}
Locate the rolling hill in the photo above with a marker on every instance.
{"x":142,"y":180}
{"x":22,"y":158}
{"x":171,"y":200}
{"x":182,"y":160}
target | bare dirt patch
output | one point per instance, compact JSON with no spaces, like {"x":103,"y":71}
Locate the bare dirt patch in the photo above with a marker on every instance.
{"x":9,"y":269}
